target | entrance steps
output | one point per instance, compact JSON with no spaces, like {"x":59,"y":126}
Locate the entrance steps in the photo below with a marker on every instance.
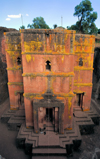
{"x":48,"y":145}
{"x":43,"y":144}
{"x":84,"y":120}
{"x":49,"y":151}
{"x":71,"y":138}
{"x":49,"y":157}
{"x":14,"y":118}
{"x":54,"y":144}
{"x":49,"y":128}
{"x":6,"y":116}
{"x":27,"y":139}
{"x":94,"y":113}
{"x":49,"y":139}
{"x":51,"y":143}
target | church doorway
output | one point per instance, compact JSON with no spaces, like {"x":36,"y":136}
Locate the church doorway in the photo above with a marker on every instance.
{"x":49,"y":114}
{"x":48,"y":117}
{"x":80,"y":97}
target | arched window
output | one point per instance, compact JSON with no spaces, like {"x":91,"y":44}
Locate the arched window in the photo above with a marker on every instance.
{"x":80,"y":62}
{"x":19,"y":61}
{"x":48,"y":65}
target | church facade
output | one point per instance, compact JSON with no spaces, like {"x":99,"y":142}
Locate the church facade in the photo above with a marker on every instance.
{"x":49,"y":73}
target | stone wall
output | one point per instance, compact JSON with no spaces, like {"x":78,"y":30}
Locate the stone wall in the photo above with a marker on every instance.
{"x":3,"y":73}
{"x":55,"y":47}
{"x":59,"y":62}
{"x":84,"y":53}
{"x":14,"y":67}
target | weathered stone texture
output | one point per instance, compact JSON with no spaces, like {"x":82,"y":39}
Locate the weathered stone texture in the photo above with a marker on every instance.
{"x":50,"y":66}
{"x":3,"y":65}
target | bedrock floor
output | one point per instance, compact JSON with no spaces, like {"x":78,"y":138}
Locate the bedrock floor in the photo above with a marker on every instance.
{"x":8,"y":147}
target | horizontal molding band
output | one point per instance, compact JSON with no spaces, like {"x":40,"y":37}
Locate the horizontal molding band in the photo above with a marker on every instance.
{"x":14,"y":68}
{"x":78,"y":68}
{"x":16,"y":43}
{"x":83,"y":84}
{"x":47,"y":31}
{"x":83,"y":52}
{"x":75,"y":44}
{"x":51,"y":53}
{"x":15,"y":83}
{"x":13,"y":50}
{"x":32,"y":95}
{"x":79,"y":91}
{"x":70,"y":94}
{"x":47,"y":53}
{"x":48,"y":74}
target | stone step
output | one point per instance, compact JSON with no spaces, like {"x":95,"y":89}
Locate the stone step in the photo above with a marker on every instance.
{"x":7,"y":114}
{"x":80,"y":114}
{"x":48,"y":124}
{"x":34,"y":134}
{"x":65,"y":139}
{"x":31,"y":139}
{"x":72,"y":132}
{"x":15,"y":121}
{"x":77,"y":108}
{"x":48,"y":151}
{"x":70,"y":136}
{"x":10,"y":111}
{"x":5,"y":118}
{"x":76,"y":134}
{"x":24,"y":131}
{"x":93,"y":115}
{"x":32,"y":142}
{"x":50,"y":128}
{"x":49,"y":139}
{"x":20,"y":113}
{"x":15,"y":124}
{"x":84,"y":120}
{"x":66,"y":142}
{"x":48,"y":157}
{"x":17,"y":118}
{"x":84,"y":123}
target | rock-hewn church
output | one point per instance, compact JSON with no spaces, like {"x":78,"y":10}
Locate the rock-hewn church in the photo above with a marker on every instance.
{"x":49,"y":73}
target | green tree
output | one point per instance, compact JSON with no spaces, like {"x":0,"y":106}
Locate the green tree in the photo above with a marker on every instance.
{"x":86,"y":18}
{"x":72,"y":27}
{"x":38,"y":23}
{"x":98,"y":31}
{"x":22,"y":27}
{"x":55,"y":26}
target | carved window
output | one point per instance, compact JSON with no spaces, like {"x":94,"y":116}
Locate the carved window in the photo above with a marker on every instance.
{"x":47,"y":35}
{"x":80,"y":62}
{"x":19,"y":61}
{"x":48,"y":65}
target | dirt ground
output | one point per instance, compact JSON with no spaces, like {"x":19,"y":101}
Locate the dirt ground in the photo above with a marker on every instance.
{"x":8,"y":148}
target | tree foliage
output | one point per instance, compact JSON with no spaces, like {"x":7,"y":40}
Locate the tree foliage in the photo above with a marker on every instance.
{"x":55,"y":26}
{"x":38,"y":23}
{"x":22,"y":27}
{"x":98,"y":31}
{"x":86,"y":18}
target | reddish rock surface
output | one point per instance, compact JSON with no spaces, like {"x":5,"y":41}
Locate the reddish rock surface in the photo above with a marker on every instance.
{"x":3,"y":73}
{"x":9,"y":151}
